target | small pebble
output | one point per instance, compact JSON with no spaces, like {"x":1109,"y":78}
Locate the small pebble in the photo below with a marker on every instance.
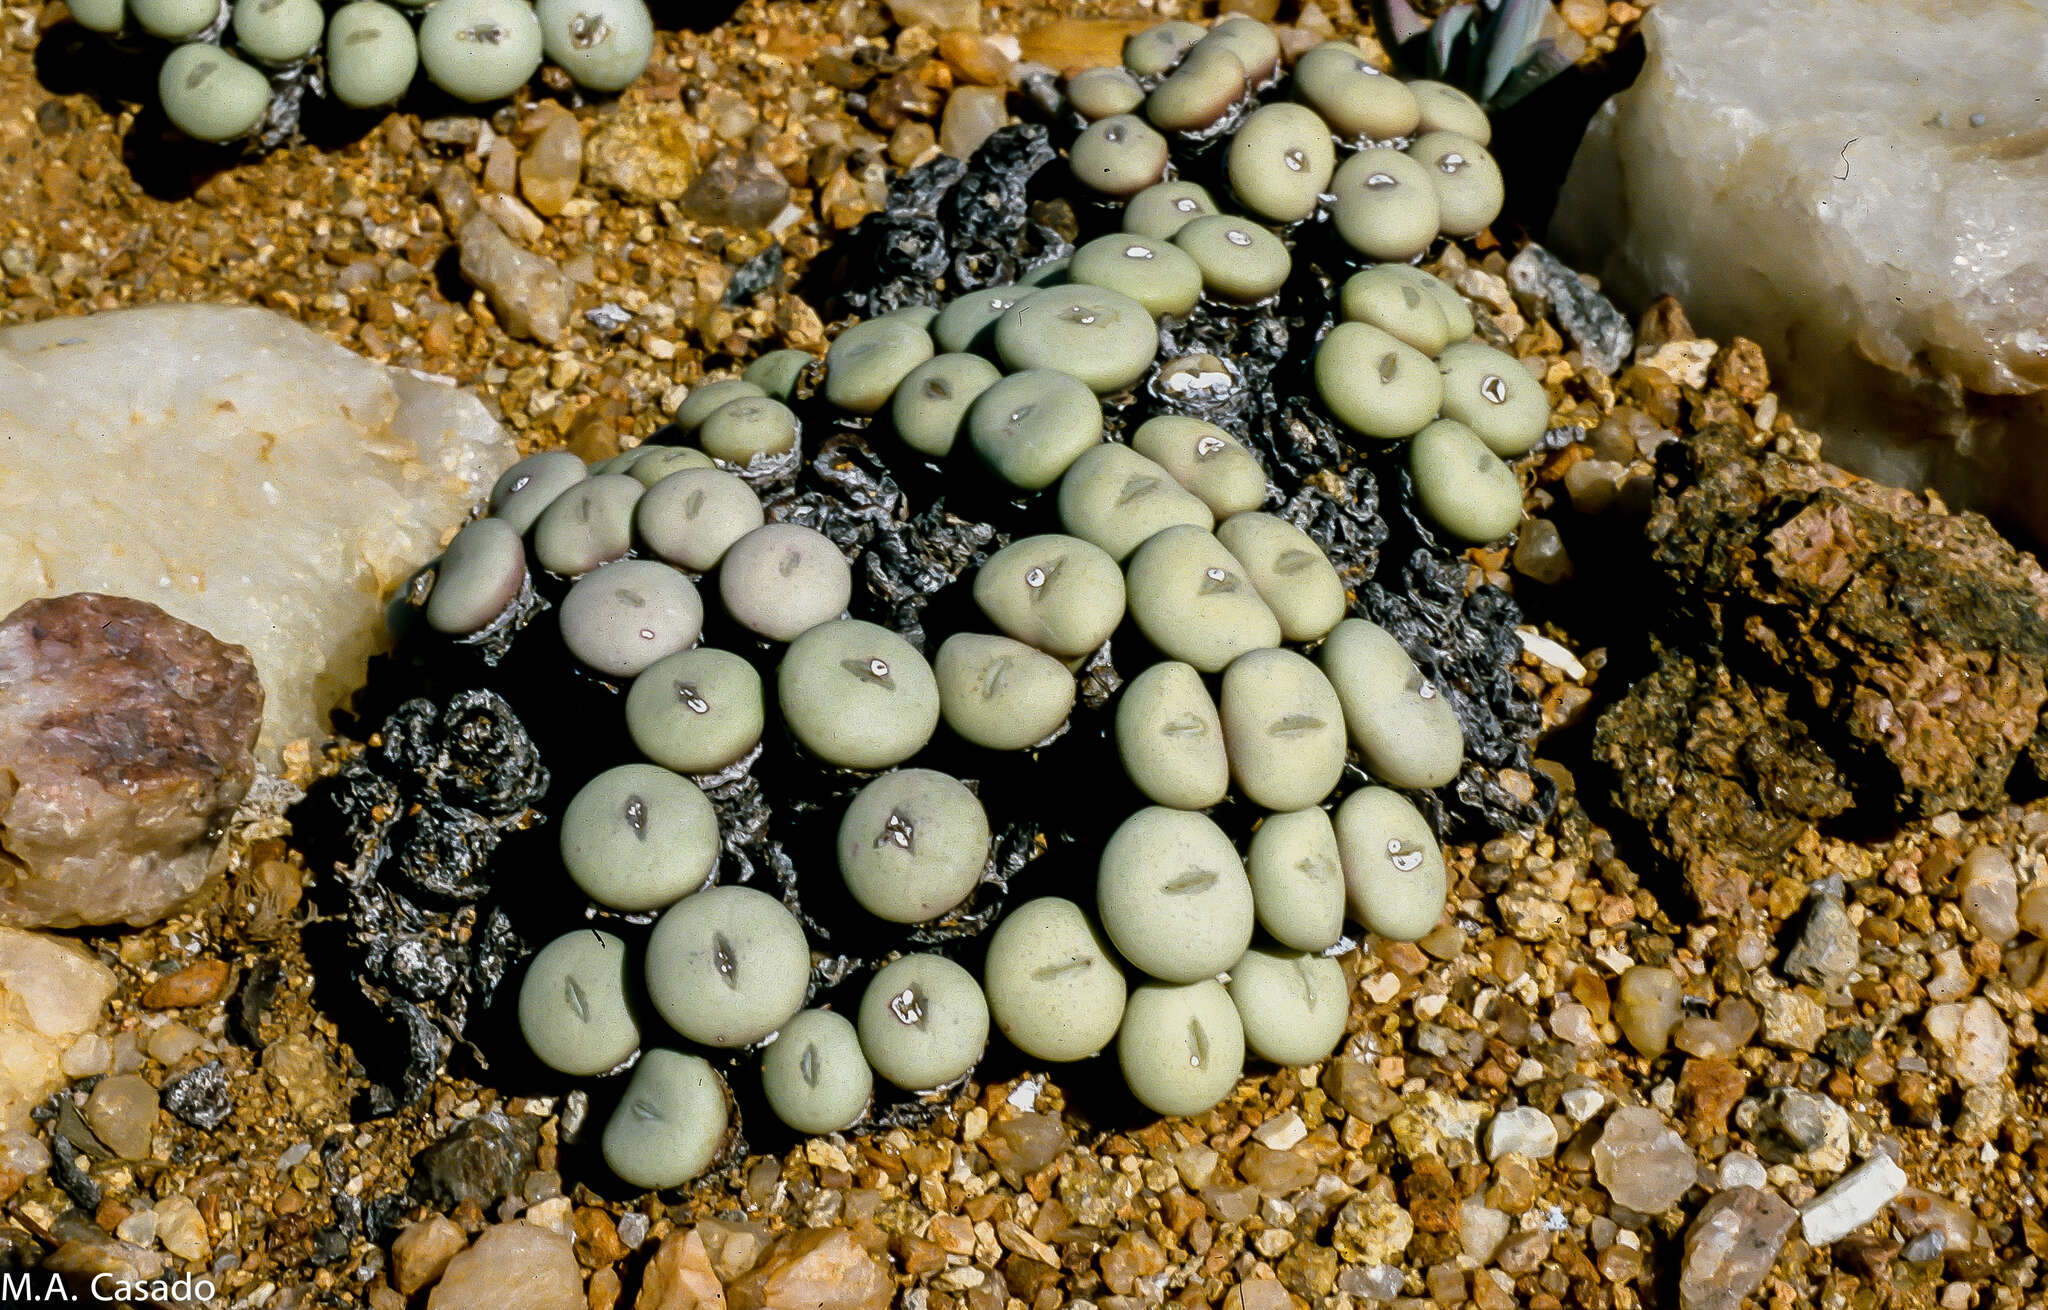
{"x":1987,"y":889}
{"x":1641,"y":1162}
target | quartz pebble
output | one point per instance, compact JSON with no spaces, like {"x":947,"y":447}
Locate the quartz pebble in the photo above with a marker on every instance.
{"x":421,"y":1253}
{"x":1974,"y":1038}
{"x":1855,"y":1199}
{"x":1647,"y":1007}
{"x":1730,"y":1247}
{"x":122,"y":1113}
{"x":1641,"y":1162}
{"x":512,"y":1264}
{"x":1521,"y":1130}
{"x":1828,"y":947}
{"x":1988,"y":891}
{"x":552,"y":166}
{"x":527,"y":291}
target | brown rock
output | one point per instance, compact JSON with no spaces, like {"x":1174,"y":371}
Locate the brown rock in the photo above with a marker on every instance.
{"x":307,"y":1078}
{"x":597,"y":1237}
{"x":1071,"y":44}
{"x":606,"y":1287}
{"x":552,"y":165}
{"x":680,"y":1277}
{"x":422,"y":1252}
{"x":644,"y":153}
{"x":976,"y":58}
{"x":1740,"y":370}
{"x":900,"y":99}
{"x":817,"y":1269}
{"x":512,"y":1265}
{"x":1707,"y":1091}
{"x":126,"y":742}
{"x":195,"y":984}
{"x":1888,"y":649}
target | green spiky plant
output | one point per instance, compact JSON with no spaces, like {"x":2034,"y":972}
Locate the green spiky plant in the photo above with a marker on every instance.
{"x":1493,"y":49}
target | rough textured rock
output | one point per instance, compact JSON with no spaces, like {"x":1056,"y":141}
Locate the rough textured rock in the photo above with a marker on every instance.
{"x":1876,"y":190}
{"x":51,"y":992}
{"x":242,"y":472}
{"x":1828,"y":644}
{"x":820,"y":1269}
{"x":530,"y":295}
{"x":421,"y":1253}
{"x":680,"y":1277}
{"x":126,"y":742}
{"x":481,"y":1160}
{"x":743,"y":191}
{"x":644,"y":152}
{"x":512,"y":1265}
{"x":1730,"y":1246}
{"x":1641,"y":1162}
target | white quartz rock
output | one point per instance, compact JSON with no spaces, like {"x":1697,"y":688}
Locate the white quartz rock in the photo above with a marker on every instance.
{"x":239,"y":470}
{"x":1860,"y":191}
{"x":51,"y":991}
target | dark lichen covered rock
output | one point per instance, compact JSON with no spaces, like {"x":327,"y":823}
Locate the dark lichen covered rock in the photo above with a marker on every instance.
{"x":1831,"y":646}
{"x":1920,"y":637}
{"x":1720,"y":772}
{"x":127,"y":740}
{"x":403,"y":838}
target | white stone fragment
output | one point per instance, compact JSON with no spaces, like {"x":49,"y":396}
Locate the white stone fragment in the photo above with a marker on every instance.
{"x":1552,"y":653}
{"x":239,"y":470}
{"x":1521,"y":1130}
{"x":1740,"y":1170}
{"x":1876,"y":190}
{"x":51,"y":991}
{"x":1853,"y":1201}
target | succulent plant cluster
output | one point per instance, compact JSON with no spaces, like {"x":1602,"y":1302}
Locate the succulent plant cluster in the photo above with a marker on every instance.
{"x":1086,"y":597}
{"x":1498,"y":50}
{"x":239,"y":68}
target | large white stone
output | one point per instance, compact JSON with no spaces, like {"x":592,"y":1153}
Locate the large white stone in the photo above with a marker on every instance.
{"x":239,"y":470}
{"x":1860,"y":188}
